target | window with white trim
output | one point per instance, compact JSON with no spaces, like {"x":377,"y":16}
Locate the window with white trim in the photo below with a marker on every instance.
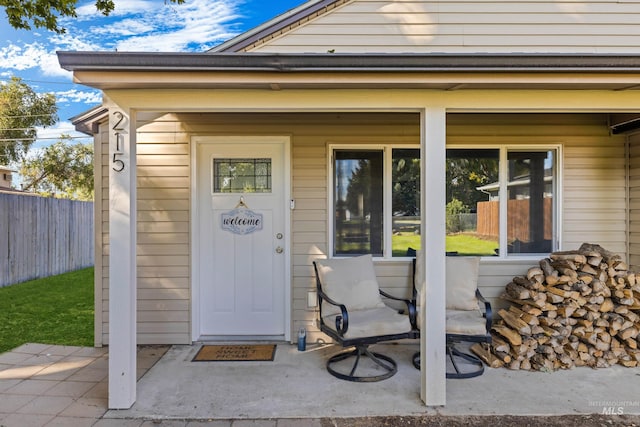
{"x":501,"y":201}
{"x":376,"y":199}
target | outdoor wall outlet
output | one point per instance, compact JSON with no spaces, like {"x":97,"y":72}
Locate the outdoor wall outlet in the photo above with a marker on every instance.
{"x":312,"y":299}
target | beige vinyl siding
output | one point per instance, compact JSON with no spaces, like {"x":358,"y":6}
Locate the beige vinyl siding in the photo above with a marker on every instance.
{"x":467,"y":26}
{"x":593,"y":197}
{"x":163,"y":221}
{"x":163,"y":251}
{"x":100,"y":211}
{"x":634,"y":201}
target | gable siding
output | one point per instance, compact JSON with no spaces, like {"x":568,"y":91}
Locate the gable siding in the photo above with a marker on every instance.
{"x":399,"y":26}
{"x":593,"y":198}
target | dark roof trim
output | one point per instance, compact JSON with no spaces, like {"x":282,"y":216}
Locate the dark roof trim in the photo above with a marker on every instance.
{"x":243,"y":62}
{"x":279,"y":23}
{"x":87,"y":122}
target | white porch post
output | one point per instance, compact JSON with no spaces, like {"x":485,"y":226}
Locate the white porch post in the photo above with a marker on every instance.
{"x":122,"y":258}
{"x":432,"y":206}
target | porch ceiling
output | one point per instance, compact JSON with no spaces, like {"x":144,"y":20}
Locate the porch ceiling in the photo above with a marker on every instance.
{"x":127,"y":70}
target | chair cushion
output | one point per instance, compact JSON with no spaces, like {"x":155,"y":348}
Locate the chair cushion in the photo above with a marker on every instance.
{"x":349,"y":281}
{"x":372,"y":322}
{"x":466,"y":322}
{"x":461,"y":281}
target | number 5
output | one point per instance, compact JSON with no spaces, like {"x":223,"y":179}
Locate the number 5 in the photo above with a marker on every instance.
{"x":118,"y":162}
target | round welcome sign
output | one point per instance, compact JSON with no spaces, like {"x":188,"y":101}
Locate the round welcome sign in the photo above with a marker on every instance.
{"x":241,"y":221}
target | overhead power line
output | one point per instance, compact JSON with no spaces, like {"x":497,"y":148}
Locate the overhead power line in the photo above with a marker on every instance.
{"x":24,"y":116}
{"x":13,"y":140}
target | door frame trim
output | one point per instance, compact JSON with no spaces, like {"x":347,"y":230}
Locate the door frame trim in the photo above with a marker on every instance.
{"x":196,"y":141}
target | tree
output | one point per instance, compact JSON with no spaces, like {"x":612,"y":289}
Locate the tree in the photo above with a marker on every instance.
{"x":25,"y":14}
{"x":406,"y":184}
{"x":467,"y":172}
{"x":21,"y":111}
{"x":63,"y":169}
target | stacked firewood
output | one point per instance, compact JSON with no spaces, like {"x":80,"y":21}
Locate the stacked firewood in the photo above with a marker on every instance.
{"x":577,"y":308}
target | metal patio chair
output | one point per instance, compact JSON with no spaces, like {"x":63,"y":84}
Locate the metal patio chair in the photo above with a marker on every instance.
{"x":352,"y":312}
{"x":468,"y":313}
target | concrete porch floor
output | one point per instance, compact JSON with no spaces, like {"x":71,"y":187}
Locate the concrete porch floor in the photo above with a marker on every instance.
{"x":44,"y":385}
{"x":296,"y":385}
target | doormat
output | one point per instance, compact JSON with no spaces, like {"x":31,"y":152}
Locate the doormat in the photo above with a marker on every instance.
{"x":236,"y":353}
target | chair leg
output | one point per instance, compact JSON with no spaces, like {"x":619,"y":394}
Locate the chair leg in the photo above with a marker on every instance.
{"x":385,"y":362}
{"x":454,"y":353}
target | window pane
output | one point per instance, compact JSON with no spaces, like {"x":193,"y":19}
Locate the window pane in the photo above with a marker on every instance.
{"x":358,"y":200}
{"x":405,"y":190}
{"x":472,"y":217}
{"x":242,"y":175}
{"x":530,"y":194}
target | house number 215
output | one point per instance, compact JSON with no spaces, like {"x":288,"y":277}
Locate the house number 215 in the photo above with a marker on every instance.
{"x":118,"y":127}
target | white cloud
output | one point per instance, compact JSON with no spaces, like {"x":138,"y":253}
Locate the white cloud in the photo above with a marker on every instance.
{"x":189,"y":26}
{"x":79,"y":96}
{"x":30,"y":56}
{"x":21,"y":57}
{"x":88,"y":10}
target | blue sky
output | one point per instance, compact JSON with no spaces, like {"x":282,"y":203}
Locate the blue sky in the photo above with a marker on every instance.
{"x":135,"y":25}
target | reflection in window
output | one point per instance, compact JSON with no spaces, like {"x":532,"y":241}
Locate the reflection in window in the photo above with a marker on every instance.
{"x":242,"y":175}
{"x":475,"y":196}
{"x":358,"y":200}
{"x":405,"y":194}
{"x":472,"y":210}
{"x":530,"y":194}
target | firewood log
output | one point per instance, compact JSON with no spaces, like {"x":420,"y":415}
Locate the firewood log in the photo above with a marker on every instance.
{"x":606,"y":306}
{"x":527,"y":283}
{"x":509,"y":334}
{"x":528,"y":318}
{"x":628,"y":333}
{"x":573,"y":256}
{"x":594,"y":261}
{"x":547,"y":269}
{"x":486,"y":356}
{"x":533,"y":272}
{"x":515,"y":322}
{"x":588,"y":269}
{"x":499,"y":344}
{"x":517,"y":292}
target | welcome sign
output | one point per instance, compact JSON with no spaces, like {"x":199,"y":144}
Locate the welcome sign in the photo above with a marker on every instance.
{"x":242,"y":221}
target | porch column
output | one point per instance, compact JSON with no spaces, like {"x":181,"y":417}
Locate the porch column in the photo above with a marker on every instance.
{"x":122,"y":258}
{"x":432,"y":208}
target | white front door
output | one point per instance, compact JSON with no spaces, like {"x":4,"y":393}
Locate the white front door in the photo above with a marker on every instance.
{"x":241,"y":227}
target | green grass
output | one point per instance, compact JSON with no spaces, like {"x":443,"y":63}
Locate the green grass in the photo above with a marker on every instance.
{"x":468,"y":244}
{"x":54,"y":310}
{"x":464,"y":244}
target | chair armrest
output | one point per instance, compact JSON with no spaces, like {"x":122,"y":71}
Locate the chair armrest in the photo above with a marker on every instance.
{"x":411,"y":307}
{"x":488,"y":313}
{"x":342,"y":321}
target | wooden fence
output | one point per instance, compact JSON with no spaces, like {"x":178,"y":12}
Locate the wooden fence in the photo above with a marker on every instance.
{"x":41,"y":237}
{"x":518,"y":221}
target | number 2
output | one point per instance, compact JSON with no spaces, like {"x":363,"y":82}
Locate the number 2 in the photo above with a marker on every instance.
{"x":119,"y":125}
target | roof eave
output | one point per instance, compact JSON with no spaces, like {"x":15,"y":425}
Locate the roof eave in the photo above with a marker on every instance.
{"x":406,"y":63}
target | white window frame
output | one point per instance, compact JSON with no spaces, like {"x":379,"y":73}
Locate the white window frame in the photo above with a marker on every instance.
{"x":556,"y":209}
{"x":387,"y":190}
